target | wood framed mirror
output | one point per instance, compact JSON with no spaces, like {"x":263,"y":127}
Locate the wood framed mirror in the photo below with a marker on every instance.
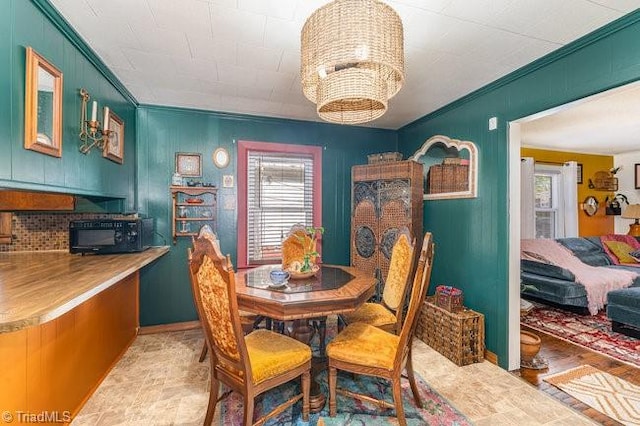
{"x":43,"y":105}
{"x":590,"y":205}
{"x":450,"y":168}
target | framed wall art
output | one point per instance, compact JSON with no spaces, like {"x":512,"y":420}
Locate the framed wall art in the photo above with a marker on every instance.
{"x":114,"y":148}
{"x":636,"y":176}
{"x":189,"y":164}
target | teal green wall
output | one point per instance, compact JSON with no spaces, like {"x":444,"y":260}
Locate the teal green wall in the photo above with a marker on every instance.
{"x":165,"y":291}
{"x":33,"y":23}
{"x":471,"y":235}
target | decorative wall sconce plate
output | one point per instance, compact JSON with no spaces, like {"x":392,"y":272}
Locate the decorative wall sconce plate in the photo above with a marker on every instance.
{"x":221,"y":158}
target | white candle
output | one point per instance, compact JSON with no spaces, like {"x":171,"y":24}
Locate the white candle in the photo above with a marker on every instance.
{"x":94,"y":111}
{"x":106,"y":118}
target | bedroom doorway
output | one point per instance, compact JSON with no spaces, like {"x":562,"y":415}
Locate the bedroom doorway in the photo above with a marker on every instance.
{"x":608,"y":124}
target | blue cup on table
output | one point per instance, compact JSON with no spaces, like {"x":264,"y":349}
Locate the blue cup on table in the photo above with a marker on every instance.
{"x":278,"y":276}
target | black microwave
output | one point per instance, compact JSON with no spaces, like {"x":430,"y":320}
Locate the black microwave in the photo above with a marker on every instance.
{"x":106,"y":236}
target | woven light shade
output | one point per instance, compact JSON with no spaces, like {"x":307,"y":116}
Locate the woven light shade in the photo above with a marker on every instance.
{"x":352,"y":59}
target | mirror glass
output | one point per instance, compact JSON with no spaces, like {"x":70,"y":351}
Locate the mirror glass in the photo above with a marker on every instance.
{"x":590,"y":205}
{"x":46,"y":83}
{"x":450,"y":168}
{"x":43,"y":106}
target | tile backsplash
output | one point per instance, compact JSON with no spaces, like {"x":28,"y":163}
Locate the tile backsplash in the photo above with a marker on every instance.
{"x":44,"y":231}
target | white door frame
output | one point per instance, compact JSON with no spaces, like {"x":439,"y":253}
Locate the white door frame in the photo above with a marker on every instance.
{"x":513,"y":316}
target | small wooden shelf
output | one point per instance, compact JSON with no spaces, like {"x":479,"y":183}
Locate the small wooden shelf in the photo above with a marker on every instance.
{"x":193,"y":211}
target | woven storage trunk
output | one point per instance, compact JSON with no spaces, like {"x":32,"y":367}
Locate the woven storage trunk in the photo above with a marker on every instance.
{"x":384,"y":157}
{"x":457,"y":335}
{"x":448,"y":178}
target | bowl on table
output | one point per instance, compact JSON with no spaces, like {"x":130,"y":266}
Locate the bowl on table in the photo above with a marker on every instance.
{"x":299,"y":275}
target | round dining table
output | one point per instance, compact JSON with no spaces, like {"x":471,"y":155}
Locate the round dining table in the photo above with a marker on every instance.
{"x":334,"y":289}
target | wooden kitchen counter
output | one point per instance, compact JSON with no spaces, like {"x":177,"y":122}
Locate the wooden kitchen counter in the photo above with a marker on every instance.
{"x":65,"y":320}
{"x":37,"y":287}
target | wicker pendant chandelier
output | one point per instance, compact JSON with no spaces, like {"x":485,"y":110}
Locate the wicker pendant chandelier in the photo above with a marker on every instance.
{"x":352,"y":60}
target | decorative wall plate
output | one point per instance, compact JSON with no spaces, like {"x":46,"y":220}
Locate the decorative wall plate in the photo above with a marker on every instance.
{"x":221,"y":158}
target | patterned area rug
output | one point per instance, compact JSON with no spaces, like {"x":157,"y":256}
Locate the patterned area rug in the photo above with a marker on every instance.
{"x":436,"y":411}
{"x":608,"y":394}
{"x":590,"y":331}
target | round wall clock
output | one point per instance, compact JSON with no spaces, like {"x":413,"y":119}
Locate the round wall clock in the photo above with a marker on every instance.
{"x":221,"y":158}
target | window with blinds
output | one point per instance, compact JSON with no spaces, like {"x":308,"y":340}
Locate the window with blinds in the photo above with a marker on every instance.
{"x":279,"y":195}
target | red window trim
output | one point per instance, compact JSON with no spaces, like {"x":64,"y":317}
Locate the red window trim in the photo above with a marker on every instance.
{"x":243,"y":149}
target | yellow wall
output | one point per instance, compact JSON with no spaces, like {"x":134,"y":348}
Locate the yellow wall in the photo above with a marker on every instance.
{"x":600,"y":223}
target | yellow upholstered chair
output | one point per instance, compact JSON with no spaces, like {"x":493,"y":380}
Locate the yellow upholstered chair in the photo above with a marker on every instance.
{"x":248,"y":364}
{"x":247,"y":319}
{"x":387,"y":315}
{"x":294,"y":246}
{"x":364,"y":349}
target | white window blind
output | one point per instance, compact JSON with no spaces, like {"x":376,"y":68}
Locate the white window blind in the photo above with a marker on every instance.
{"x":280,"y":194}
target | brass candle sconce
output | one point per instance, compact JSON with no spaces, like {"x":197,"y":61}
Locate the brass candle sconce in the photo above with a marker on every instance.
{"x":92,"y":133}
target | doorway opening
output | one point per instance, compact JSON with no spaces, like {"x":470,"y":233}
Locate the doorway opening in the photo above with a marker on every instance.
{"x":604,"y":124}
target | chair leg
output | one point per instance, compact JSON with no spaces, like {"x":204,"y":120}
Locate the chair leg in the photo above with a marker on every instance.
{"x":333,"y":378}
{"x":203,"y":354}
{"x":257,"y":321}
{"x":397,"y":401}
{"x":213,"y":400}
{"x":341,"y":323}
{"x":306,"y":388}
{"x":322,"y":331}
{"x":248,"y":409}
{"x":412,"y":381}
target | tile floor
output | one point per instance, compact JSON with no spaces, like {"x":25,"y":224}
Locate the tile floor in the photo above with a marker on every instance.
{"x":159,"y":381}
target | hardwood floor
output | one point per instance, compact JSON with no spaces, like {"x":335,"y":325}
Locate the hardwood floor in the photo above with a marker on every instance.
{"x":563,"y":355}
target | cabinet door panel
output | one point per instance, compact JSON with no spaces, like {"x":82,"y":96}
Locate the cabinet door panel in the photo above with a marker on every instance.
{"x":394,"y":218}
{"x":364,"y":237}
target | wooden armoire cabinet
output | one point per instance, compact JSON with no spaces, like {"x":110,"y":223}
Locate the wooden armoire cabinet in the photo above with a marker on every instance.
{"x":386,"y":198}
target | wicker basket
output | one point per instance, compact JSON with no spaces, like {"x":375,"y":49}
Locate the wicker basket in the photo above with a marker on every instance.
{"x":449,"y":298}
{"x":457,"y":335}
{"x":384,"y":157}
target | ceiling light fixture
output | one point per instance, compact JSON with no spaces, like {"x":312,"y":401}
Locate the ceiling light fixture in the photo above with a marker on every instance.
{"x":352,"y":60}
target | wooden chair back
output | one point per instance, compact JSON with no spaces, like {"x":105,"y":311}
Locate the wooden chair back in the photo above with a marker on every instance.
{"x":206,"y":232}
{"x":214,"y":289}
{"x":419,"y":289}
{"x":401,"y":266}
{"x":294,"y":246}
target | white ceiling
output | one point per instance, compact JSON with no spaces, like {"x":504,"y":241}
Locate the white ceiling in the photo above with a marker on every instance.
{"x":607,"y":123}
{"x":243,"y":55}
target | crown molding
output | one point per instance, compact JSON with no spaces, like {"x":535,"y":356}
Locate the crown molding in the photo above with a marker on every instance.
{"x":67,"y":30}
{"x":566,"y":50}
